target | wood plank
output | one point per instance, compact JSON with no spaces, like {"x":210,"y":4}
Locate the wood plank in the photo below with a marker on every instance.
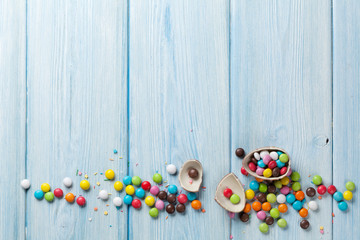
{"x":179,"y":107}
{"x":346,"y":112}
{"x":12,"y":117}
{"x":281,"y":96}
{"x":77,"y":102}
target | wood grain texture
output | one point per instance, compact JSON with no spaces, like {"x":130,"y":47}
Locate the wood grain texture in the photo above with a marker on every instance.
{"x":346,"y":53}
{"x":12,"y":117}
{"x":281,"y":96}
{"x":179,"y":107}
{"x":77,"y":113}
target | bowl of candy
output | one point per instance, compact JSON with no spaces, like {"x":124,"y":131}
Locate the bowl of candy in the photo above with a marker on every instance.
{"x":267,"y":163}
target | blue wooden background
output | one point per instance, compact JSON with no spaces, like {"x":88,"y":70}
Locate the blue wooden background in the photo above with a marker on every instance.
{"x":166,"y":81}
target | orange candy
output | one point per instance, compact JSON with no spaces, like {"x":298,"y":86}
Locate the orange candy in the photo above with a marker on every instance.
{"x":247,"y":208}
{"x":256,"y":206}
{"x":70,"y":197}
{"x":259,"y":179}
{"x":266,"y":206}
{"x":303,"y":212}
{"x":196,"y":204}
{"x":299,"y":195}
{"x":283,"y":208}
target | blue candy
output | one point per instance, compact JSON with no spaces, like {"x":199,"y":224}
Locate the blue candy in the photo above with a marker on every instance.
{"x":290,"y":198}
{"x":128,"y":199}
{"x":191,"y":196}
{"x":172,"y":189}
{"x":127,"y":180}
{"x":297,"y":205}
{"x":38,"y":194}
{"x":279,"y":153}
{"x":140,"y":193}
{"x":254,"y":185}
{"x":261,"y":163}
{"x":279,"y":163}
{"x":338,"y":196}
{"x":342,"y":206}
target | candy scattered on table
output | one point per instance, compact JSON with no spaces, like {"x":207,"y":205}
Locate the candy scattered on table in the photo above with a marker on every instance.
{"x":85,"y":185}
{"x":81,"y":201}
{"x":117,"y":201}
{"x":25,"y":184}
{"x":45,"y":187}
{"x":103,"y":194}
{"x":58,"y":193}
{"x":171,"y":169}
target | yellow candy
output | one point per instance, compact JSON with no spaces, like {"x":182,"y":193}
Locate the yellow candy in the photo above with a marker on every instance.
{"x":110,"y":174}
{"x":118,"y":186}
{"x":267,"y":173}
{"x":348,"y":195}
{"x":130,"y":190}
{"x":250,"y":194}
{"x":150,"y":201}
{"x":285,"y":181}
{"x":45,"y":187}
{"x":85,"y":185}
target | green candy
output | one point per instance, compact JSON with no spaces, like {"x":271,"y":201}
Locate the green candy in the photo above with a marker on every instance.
{"x":282,"y":223}
{"x":296,"y":186}
{"x":49,"y":196}
{"x":284,"y":158}
{"x":275,"y":213}
{"x":350,"y":186}
{"x":154,"y":212}
{"x":136,"y":180}
{"x":271,"y":198}
{"x":157,"y":178}
{"x":263,"y":188}
{"x":234,"y":199}
{"x":264,"y":228}
{"x":278,"y":184}
{"x":317,"y":180}
{"x":295,"y":176}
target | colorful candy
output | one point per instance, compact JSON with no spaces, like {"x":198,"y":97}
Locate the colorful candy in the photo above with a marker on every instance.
{"x":157,"y":178}
{"x":182,"y":198}
{"x":118,"y":186}
{"x":171,"y":169}
{"x":117,"y":201}
{"x":234,"y":199}
{"x":154,"y":190}
{"x":283,"y":208}
{"x":81,"y":201}
{"x":350,"y":186}
{"x":127,"y":180}
{"x":196,"y":204}
{"x":150,"y":201}
{"x":343,"y":206}
{"x":261,"y":215}
{"x":110,"y":174}
{"x":338,"y":196}
{"x":130,"y":190}
{"x":172,"y":189}
{"x":281,"y":198}
{"x":282,"y":223}
{"x":49,"y":196}
{"x":25,"y":184}
{"x":317,"y":180}
{"x":58,"y":193}
{"x":348,"y":195}
{"x":136,"y":203}
{"x":103,"y":194}
{"x":136,"y":180}
{"x":321,"y":189}
{"x":303,"y":212}
{"x":191,"y":196}
{"x":264,"y":228}
{"x":128,"y":199}
{"x":160,"y":205}
{"x":275,"y":213}
{"x":67,"y":182}
{"x":140,"y":193}
{"x":154,"y":212}
{"x":146,"y":185}
{"x":313,"y":205}
{"x":249,"y":194}
{"x":70,"y":197}
{"x":227,"y":192}
{"x":254,"y":185}
{"x":85,"y":185}
{"x":45,"y":187}
{"x":331,"y":189}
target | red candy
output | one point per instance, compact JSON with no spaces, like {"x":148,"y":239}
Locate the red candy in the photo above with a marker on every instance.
{"x":81,"y":201}
{"x":182,"y":198}
{"x":58,"y":193}
{"x":331,"y":189}
{"x":228,"y":192}
{"x":283,"y":170}
{"x":244,"y":172}
{"x":272,"y":164}
{"x":146,"y":185}
{"x":252,"y":166}
{"x":321,"y":189}
{"x":136,"y":203}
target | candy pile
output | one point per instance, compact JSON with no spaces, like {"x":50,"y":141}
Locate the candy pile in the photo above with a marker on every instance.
{"x":234,"y":198}
{"x":135,"y":189}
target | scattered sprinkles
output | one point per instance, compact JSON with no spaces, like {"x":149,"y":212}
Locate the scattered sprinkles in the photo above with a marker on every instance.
{"x":106,"y":213}
{"x":90,"y":219}
{"x":95,"y":209}
{"x":115,"y":151}
{"x":86,"y":176}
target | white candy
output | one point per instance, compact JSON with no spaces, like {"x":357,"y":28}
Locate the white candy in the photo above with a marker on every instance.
{"x":171,"y":169}
{"x":103,"y":194}
{"x":281,"y":198}
{"x":67,"y":182}
{"x":274,"y":155}
{"x":117,"y":201}
{"x":257,"y":156}
{"x":25,"y":184}
{"x":263,"y":154}
{"x":313,"y":205}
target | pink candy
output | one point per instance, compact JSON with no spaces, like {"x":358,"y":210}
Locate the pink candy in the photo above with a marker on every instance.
{"x":259,"y":171}
{"x":261,"y":215}
{"x":285,"y":190}
{"x":159,"y":205}
{"x":154,"y":190}
{"x":267,"y":159}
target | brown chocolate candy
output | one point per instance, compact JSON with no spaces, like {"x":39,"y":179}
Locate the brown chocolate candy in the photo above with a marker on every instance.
{"x":271,"y":188}
{"x":269,"y":220}
{"x":171,"y":198}
{"x":254,"y":161}
{"x":276,"y":172}
{"x":310,"y":191}
{"x":261,"y":197}
{"x":162,"y":195}
{"x":180,"y":208}
{"x":170,"y":208}
{"x":193,"y":173}
{"x":240,"y":152}
{"x":244,"y":217}
{"x":304,"y":224}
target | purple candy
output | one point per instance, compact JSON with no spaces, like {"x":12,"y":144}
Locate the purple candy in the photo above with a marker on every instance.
{"x":267,"y":159}
{"x":154,"y":190}
{"x":261,"y":215}
{"x":285,"y":190}
{"x":159,"y":205}
{"x":259,"y":171}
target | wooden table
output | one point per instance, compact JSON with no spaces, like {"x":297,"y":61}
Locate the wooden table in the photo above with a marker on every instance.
{"x":167,"y":81}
